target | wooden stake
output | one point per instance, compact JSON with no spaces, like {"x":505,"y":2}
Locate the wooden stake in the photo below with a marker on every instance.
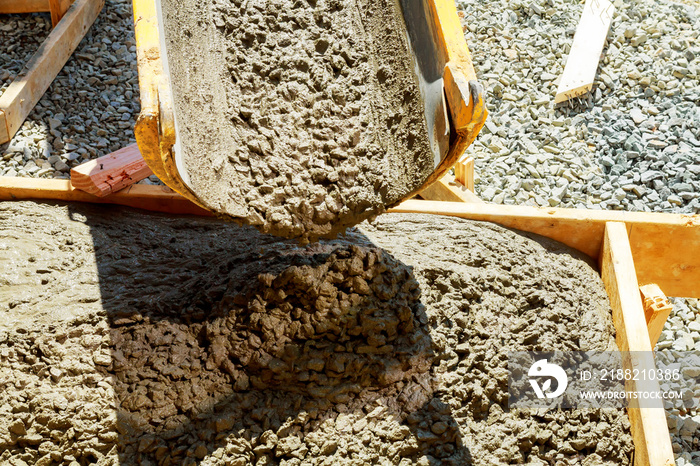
{"x":449,"y":189}
{"x":656,"y":310}
{"x":25,"y":91}
{"x":111,"y":172}
{"x":464,"y":172}
{"x":648,"y":425}
{"x":582,"y":63}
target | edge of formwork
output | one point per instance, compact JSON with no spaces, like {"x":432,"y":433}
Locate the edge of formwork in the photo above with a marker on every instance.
{"x":141,"y":196}
{"x":660,"y":242}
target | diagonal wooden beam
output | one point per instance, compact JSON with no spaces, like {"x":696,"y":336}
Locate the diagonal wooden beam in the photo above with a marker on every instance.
{"x":110,"y":173}
{"x":648,"y":424}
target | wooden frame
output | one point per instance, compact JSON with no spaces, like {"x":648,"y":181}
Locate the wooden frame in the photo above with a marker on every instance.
{"x":57,"y":8}
{"x":648,"y":425}
{"x":147,"y":197}
{"x":667,"y":263}
{"x":626,"y":245}
{"x":27,"y":89}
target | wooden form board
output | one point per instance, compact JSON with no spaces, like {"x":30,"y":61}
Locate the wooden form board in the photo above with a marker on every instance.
{"x":589,"y":40}
{"x":23,"y":6}
{"x":615,"y":254}
{"x":24,"y":92}
{"x":669,"y":264}
{"x":147,"y":197}
{"x":110,"y":173}
{"x":660,"y":242}
{"x":57,"y":8}
{"x":648,"y":425}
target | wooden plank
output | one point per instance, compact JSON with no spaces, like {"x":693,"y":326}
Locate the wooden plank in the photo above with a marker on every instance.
{"x":660,"y":242}
{"x":656,"y":310}
{"x":111,"y":172}
{"x":648,"y":425}
{"x":449,"y":189}
{"x":4,"y":133}
{"x":65,"y":4}
{"x":671,"y":267}
{"x":55,"y":9}
{"x":23,"y":6}
{"x":147,"y":197}
{"x":25,"y":91}
{"x":58,"y":9}
{"x":464,"y":172}
{"x":589,"y":40}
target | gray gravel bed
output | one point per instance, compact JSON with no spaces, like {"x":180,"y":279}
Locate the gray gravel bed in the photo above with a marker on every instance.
{"x":90,"y":108}
{"x":632,"y":144}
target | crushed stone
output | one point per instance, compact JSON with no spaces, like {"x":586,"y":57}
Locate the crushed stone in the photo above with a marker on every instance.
{"x":301,"y":118}
{"x":388,"y":345}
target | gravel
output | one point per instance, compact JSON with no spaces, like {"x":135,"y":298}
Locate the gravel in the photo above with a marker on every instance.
{"x":632,"y":144}
{"x":680,"y":343}
{"x":89,"y":110}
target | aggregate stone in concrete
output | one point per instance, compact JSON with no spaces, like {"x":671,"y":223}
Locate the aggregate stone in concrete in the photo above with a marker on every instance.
{"x":141,"y":338}
{"x":301,"y":118}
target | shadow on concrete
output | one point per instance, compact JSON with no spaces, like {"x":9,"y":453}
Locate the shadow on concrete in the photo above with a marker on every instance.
{"x":233,"y":347}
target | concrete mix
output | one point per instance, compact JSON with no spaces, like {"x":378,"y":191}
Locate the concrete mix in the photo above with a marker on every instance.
{"x":298,"y":117}
{"x":146,"y":339}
